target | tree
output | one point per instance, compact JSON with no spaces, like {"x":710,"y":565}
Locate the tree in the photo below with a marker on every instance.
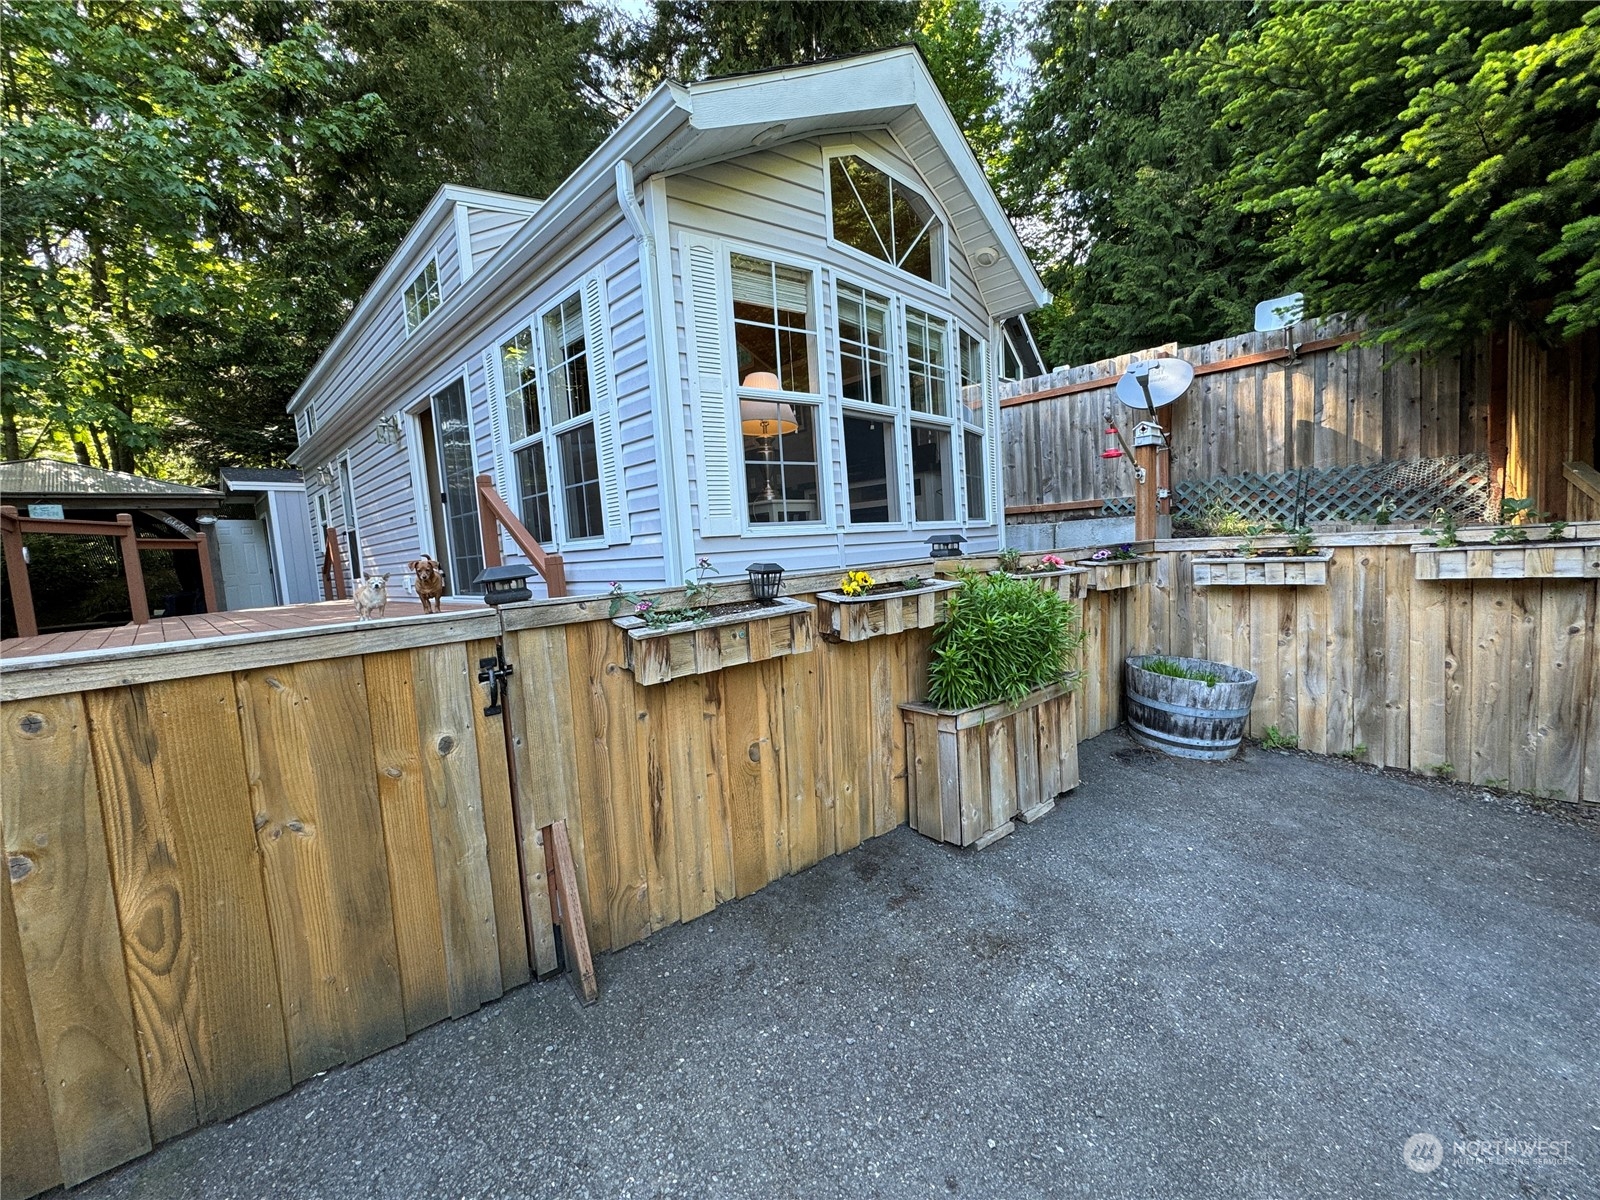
{"x":1435,"y":166}
{"x":145,"y":156}
{"x":692,"y":39}
{"x":1114,"y":174}
{"x":962,"y":42}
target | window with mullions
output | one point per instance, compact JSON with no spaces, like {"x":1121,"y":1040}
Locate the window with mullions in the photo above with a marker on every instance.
{"x":566,"y":379}
{"x":971,"y":363}
{"x":864,"y":346}
{"x":929,"y":377}
{"x":880,"y":216}
{"x":519,"y":378}
{"x":933,"y":495}
{"x":775,"y":335}
{"x":422,"y":296}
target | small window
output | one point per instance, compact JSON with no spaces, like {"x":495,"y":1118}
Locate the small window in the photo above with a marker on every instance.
{"x":580,"y":482}
{"x":880,"y":216}
{"x":772,"y":325}
{"x":864,"y":346}
{"x":533,"y":489}
{"x":422,"y":296}
{"x":519,"y":376}
{"x":869,"y":463}
{"x":567,"y":349}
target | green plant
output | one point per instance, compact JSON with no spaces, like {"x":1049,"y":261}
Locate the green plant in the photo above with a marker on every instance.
{"x":857,"y":583}
{"x":912,"y":582}
{"x":1443,"y":528}
{"x":1498,"y":785}
{"x":1173,"y":670}
{"x":1384,"y":512}
{"x":1247,"y":548}
{"x":1010,"y":560}
{"x":1514,"y":514}
{"x":1443,"y":770}
{"x":1556,"y":529}
{"x":1301,"y":540}
{"x":1218,"y":520}
{"x":1002,"y":638}
{"x":1275,"y":739}
{"x":1356,"y":753}
{"x":696,"y":591}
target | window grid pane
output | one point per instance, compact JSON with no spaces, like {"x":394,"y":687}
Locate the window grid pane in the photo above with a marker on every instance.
{"x":772,"y":323}
{"x":580,"y":482}
{"x":925,"y":364}
{"x":519,"y":377}
{"x":878,"y":216}
{"x":422,"y":295}
{"x":781,"y":469}
{"x":864,"y":346}
{"x":870,"y":470}
{"x":977,"y":508}
{"x":533,"y":487}
{"x":567,"y":378}
{"x":930,"y":474}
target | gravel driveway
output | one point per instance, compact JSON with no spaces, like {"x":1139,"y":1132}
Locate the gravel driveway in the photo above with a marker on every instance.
{"x":1255,"y":979}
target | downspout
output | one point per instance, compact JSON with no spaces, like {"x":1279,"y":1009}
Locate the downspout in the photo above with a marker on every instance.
{"x":669,"y":431}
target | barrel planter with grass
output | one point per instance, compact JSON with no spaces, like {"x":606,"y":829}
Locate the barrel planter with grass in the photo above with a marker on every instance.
{"x":1187,"y":707}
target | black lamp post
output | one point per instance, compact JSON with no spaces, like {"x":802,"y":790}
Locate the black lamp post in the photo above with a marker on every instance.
{"x":506,"y":584}
{"x":946,"y":545}
{"x":765,"y":580}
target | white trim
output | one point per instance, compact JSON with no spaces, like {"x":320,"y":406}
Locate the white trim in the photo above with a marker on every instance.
{"x":405,"y":294}
{"x":275,"y":548}
{"x":464,"y":267}
{"x":421,"y":499}
{"x":347,"y":506}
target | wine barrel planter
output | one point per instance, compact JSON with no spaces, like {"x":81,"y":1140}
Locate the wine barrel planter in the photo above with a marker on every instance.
{"x":1186,"y":717}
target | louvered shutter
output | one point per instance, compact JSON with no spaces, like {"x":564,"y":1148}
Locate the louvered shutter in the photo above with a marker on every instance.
{"x":710,"y":393}
{"x":495,"y":386}
{"x":603,"y":392}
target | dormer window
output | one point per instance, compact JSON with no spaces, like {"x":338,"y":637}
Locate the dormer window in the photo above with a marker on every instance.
{"x":422,"y":296}
{"x":878,"y":215}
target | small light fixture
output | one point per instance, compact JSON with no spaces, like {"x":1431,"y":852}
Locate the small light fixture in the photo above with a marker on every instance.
{"x":946,"y":545}
{"x":389,"y":430}
{"x":206,"y":519}
{"x":507,"y":584}
{"x":766,"y":579}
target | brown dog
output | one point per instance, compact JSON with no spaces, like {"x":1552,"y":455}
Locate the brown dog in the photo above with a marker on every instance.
{"x":430,"y":582}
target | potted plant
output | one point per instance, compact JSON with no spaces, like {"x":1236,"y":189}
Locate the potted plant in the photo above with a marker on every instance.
{"x":864,"y":607}
{"x":1049,"y":571}
{"x":1299,"y":564}
{"x":1187,"y":707}
{"x":1511,"y":552}
{"x":1113,"y":568}
{"x":701,"y":634}
{"x":997,"y":737}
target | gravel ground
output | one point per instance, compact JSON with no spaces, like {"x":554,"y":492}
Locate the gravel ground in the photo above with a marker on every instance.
{"x":1256,"y":979}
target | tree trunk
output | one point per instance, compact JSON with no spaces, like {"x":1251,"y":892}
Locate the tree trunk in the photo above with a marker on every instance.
{"x":13,"y":444}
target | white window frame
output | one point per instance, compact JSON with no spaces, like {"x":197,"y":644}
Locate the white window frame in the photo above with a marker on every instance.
{"x":552,"y":432}
{"x":437,"y":291}
{"x":847,"y":149}
{"x":827,"y":428}
{"x":929,"y":420}
{"x":496,"y":391}
{"x":981,"y":427}
{"x":894,"y":411}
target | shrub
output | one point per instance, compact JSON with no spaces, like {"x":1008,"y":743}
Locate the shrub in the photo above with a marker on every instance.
{"x":1165,"y":666}
{"x":1002,"y":638}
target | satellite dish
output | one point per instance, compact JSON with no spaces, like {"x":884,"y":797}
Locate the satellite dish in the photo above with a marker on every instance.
{"x":1154,"y":382}
{"x":1280,"y":312}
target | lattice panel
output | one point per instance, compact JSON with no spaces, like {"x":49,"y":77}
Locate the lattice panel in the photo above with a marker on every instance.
{"x":1459,"y":483}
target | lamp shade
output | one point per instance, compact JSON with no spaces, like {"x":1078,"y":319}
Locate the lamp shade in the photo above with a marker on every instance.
{"x":765,"y":380}
{"x":766,"y":418}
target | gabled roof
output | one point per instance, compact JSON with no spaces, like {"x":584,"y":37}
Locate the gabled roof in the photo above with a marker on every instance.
{"x":679,"y":127}
{"x":52,"y":480}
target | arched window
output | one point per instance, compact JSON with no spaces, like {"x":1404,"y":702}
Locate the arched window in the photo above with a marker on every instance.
{"x":880,"y":216}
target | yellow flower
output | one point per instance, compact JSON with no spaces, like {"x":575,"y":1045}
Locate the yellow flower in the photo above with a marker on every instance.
{"x":856,"y":583}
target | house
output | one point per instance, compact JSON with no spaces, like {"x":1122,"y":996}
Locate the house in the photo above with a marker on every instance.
{"x":762,"y":321}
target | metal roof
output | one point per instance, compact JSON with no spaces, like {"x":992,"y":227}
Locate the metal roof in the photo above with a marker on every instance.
{"x":52,"y":479}
{"x":243,"y":479}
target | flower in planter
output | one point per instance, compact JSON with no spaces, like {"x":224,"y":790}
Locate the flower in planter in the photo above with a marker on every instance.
{"x":1052,"y":562}
{"x":857,"y":583}
{"x":1100,"y":556}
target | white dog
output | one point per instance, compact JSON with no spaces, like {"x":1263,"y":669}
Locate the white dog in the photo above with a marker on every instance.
{"x":372,"y":597}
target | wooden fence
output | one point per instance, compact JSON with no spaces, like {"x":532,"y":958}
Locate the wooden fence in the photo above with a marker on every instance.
{"x":233,"y":865}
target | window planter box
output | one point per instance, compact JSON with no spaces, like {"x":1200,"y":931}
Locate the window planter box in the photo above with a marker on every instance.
{"x":782,"y":627}
{"x":1116,"y":573}
{"x":856,"y":618}
{"x":1510,"y":560}
{"x":1071,"y":583}
{"x":1308,"y":570}
{"x":970,"y":772}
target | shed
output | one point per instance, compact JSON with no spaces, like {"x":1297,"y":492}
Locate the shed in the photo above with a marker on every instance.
{"x":270,"y":558}
{"x":762,"y":321}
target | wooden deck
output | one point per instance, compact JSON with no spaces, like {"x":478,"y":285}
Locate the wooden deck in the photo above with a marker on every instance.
{"x":207,"y":625}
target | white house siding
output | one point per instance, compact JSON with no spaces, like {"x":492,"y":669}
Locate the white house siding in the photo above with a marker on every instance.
{"x":488,"y":229}
{"x":775,"y":199}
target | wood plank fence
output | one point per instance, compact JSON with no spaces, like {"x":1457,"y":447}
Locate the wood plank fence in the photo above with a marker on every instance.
{"x":235,"y":865}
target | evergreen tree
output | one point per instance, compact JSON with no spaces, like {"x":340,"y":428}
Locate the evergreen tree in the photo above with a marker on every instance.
{"x":962,"y":43}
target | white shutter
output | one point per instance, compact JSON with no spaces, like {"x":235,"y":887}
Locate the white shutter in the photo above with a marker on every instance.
{"x":602,"y":393}
{"x":711,"y":395}
{"x":497,"y":424}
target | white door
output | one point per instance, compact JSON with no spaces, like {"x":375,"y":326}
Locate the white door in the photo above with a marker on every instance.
{"x":246,"y":564}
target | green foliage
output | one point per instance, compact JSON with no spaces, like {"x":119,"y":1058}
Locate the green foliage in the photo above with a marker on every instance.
{"x":1443,"y":528}
{"x":1010,"y":560}
{"x":1218,"y":520}
{"x":1356,"y":753}
{"x":912,"y":582}
{"x":962,"y":43}
{"x":1175,"y":670}
{"x":1443,"y":770}
{"x":1435,"y":165}
{"x":1275,"y":739}
{"x":1002,"y":638}
{"x":1115,"y":172}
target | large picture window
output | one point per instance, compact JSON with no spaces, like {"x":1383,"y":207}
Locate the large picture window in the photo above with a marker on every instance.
{"x":878,"y":215}
{"x":775,"y":336}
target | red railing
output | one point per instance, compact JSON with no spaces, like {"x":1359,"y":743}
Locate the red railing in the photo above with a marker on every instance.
{"x":495,"y":514}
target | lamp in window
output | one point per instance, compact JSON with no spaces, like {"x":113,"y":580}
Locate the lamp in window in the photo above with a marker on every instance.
{"x":765,"y":420}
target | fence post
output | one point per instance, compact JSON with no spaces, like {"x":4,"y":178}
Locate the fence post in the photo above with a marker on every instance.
{"x":17,"y":569}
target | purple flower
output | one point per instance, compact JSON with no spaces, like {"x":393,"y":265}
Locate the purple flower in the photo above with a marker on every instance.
{"x":1101,"y":555}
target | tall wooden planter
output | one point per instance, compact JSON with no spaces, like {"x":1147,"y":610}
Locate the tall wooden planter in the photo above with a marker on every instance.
{"x":970,"y":771}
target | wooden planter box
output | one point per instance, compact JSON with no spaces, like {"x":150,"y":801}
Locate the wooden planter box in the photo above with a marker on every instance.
{"x":1310,"y":570}
{"x":971,"y":771}
{"x":844,"y":618}
{"x":1115,"y":574}
{"x":1071,"y":583}
{"x":1513,"y":560}
{"x":786,"y":626}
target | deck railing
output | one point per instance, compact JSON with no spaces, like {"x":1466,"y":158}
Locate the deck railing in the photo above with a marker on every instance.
{"x":333,"y":586}
{"x":493,"y":511}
